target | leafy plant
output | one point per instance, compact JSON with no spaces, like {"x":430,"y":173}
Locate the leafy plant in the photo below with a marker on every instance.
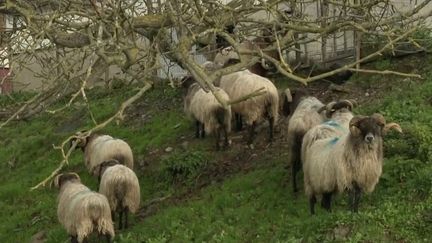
{"x":182,"y":166}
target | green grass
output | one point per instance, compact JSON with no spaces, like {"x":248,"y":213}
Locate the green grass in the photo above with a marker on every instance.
{"x":243,"y":205}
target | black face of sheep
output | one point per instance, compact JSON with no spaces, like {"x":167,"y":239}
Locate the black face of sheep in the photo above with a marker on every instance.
{"x":367,"y":129}
{"x":104,"y":165}
{"x":80,"y":141}
{"x":291,"y":99}
{"x":60,"y":179}
{"x":186,"y":82}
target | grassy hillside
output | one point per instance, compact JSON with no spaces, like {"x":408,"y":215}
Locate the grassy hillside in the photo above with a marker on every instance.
{"x":241,"y":195}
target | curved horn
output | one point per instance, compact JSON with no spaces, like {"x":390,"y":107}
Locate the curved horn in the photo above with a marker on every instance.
{"x":330,"y":105}
{"x":355,"y":120}
{"x":349,"y":103}
{"x":392,"y":125}
{"x":379,"y":118}
{"x":323,"y":108}
{"x":327,"y":107}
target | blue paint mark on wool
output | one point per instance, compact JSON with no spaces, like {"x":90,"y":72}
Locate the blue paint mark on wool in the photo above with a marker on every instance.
{"x":334,"y":140}
{"x":332,"y":123}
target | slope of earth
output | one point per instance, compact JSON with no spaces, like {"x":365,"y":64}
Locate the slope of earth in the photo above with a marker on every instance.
{"x":192,"y":193}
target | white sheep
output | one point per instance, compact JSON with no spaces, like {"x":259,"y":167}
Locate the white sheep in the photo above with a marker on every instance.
{"x":99,"y":148}
{"x":308,"y":113}
{"x":209,"y":115}
{"x":348,"y":161}
{"x":82,"y":211}
{"x":121,"y":187}
{"x":252,"y":110}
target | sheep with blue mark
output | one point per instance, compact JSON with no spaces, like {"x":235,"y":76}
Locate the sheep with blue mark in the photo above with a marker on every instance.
{"x":307,"y":112}
{"x":347,"y":161}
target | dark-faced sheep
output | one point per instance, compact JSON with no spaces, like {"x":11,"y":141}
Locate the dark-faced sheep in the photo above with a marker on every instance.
{"x":253,"y":110}
{"x":99,"y":148}
{"x":82,"y":211}
{"x":209,"y":115}
{"x":121,"y":187}
{"x":348,"y":162}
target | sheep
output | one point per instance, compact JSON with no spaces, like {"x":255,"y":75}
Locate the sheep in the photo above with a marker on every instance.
{"x":349,"y":161}
{"x":209,"y":115}
{"x":252,"y":110}
{"x":98,"y":148}
{"x":308,"y":112}
{"x":120,"y":185}
{"x":80,"y":210}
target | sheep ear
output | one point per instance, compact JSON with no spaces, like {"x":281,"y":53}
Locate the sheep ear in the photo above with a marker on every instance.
{"x":379,"y":119}
{"x":392,"y":125}
{"x":55,"y":181}
{"x":288,"y":95}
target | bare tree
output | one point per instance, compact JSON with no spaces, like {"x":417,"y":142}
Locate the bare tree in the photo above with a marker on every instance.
{"x":75,"y":43}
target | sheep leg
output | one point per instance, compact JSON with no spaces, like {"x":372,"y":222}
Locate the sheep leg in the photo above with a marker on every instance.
{"x":217,"y":136}
{"x":238,"y":122}
{"x":354,"y":198}
{"x":113,"y":216}
{"x":202,"y":131}
{"x":295,"y":168}
{"x":295,"y":159}
{"x":312,"y":202}
{"x":108,"y":238}
{"x":326,"y":201}
{"x":126,"y":212}
{"x":197,"y":129}
{"x":251,"y":133}
{"x":74,"y":239}
{"x":271,"y":123}
{"x":357,"y":197}
{"x":120,"y":219}
{"x":226,"y":142}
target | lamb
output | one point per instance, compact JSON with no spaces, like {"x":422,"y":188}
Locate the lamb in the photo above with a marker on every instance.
{"x":308,"y":112}
{"x":351,"y":161}
{"x":99,"y":148}
{"x":209,"y":115}
{"x":252,"y":110}
{"x":82,"y":211}
{"x":120,"y":185}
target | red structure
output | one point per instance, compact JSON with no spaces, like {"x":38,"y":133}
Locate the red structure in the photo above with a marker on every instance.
{"x":6,"y":78}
